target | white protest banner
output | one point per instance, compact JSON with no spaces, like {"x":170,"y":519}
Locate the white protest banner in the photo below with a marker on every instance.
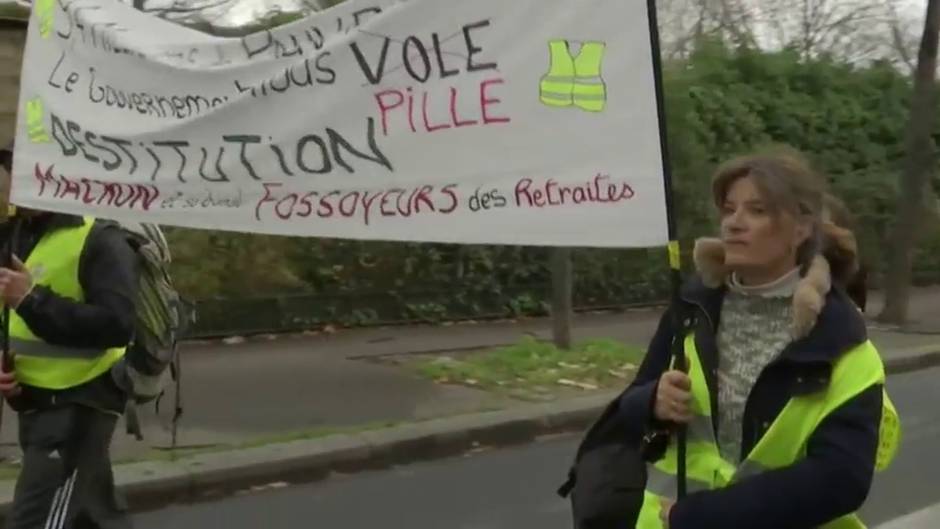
{"x":493,"y":121}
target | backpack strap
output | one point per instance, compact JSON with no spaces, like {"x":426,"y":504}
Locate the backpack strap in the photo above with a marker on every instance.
{"x":132,"y":420}
{"x":565,"y":489}
{"x":177,"y":374}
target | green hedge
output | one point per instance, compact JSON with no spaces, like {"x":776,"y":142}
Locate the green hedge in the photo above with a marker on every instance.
{"x":720,"y":102}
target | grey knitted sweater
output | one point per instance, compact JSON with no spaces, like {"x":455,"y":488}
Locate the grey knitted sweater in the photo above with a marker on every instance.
{"x":754,"y":329}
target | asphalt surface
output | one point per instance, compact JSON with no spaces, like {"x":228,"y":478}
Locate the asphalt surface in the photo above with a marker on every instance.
{"x":513,"y":488}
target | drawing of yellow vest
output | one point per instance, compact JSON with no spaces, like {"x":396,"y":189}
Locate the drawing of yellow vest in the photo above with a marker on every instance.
{"x":575,"y":81}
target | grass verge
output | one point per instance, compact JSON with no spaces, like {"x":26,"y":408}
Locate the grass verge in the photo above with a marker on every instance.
{"x":535,"y":369}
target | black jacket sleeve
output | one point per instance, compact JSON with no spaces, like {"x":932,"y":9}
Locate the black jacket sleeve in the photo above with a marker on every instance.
{"x":636,"y":403}
{"x":832,"y":480}
{"x":108,"y":273}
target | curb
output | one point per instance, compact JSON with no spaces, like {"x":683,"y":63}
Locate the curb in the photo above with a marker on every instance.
{"x":926,"y":518}
{"x":913,"y":359}
{"x":155,"y":484}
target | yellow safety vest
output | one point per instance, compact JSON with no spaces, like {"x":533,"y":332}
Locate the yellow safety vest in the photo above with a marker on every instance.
{"x":577,"y":80}
{"x":54,"y":264}
{"x":782,"y":445}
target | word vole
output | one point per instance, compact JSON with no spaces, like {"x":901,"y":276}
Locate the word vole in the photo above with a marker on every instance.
{"x":416,"y":57}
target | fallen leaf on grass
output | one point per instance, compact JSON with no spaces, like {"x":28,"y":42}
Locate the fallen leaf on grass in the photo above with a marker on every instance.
{"x":444,"y":360}
{"x":566,"y":365}
{"x":576,"y":384}
{"x":471,"y":382}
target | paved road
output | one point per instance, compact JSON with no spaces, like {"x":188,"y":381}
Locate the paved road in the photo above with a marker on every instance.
{"x":513,"y":488}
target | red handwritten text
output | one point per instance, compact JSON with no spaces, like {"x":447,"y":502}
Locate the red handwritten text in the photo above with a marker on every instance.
{"x":90,"y":191}
{"x":364,"y":205}
{"x":550,"y":193}
{"x":420,"y":111}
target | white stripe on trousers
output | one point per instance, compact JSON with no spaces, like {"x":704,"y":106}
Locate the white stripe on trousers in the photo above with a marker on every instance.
{"x":60,"y":504}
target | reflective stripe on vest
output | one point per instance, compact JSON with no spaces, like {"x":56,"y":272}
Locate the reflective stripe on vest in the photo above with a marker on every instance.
{"x":54,"y":264}
{"x":783,"y":444}
{"x":575,"y":80}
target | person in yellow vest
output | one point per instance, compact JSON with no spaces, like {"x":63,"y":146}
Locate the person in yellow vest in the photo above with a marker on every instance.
{"x":783,"y":398}
{"x":71,"y":290}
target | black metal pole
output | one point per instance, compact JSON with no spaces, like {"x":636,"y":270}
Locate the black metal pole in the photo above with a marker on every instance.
{"x":675,"y":274}
{"x":7,"y":360}
{"x":8,"y":262}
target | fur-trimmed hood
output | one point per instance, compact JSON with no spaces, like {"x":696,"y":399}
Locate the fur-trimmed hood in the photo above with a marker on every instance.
{"x":836,"y":265}
{"x":808,"y":299}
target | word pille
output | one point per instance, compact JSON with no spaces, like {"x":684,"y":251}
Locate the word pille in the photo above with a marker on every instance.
{"x":429,"y":113}
{"x":95,"y":192}
{"x":234,"y":157}
{"x":549,"y":193}
{"x":364,"y":206}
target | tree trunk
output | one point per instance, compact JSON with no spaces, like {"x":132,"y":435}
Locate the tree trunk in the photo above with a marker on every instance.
{"x":561,"y":297}
{"x":918,"y":167}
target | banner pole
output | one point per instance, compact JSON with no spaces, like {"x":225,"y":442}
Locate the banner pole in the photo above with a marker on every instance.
{"x":7,"y":359}
{"x":675,"y":274}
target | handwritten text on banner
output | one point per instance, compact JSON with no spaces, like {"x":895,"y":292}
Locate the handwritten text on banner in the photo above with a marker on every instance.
{"x":522,"y":122}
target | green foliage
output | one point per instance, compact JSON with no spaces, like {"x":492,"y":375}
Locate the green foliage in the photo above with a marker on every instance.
{"x":849,"y":121}
{"x":720,"y":102}
{"x":209,"y":264}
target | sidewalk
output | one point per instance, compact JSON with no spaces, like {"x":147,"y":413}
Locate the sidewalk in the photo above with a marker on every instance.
{"x":265,"y":390}
{"x":927,"y":518}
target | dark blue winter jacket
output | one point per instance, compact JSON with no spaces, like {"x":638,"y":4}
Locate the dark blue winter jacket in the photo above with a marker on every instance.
{"x":833,"y":479}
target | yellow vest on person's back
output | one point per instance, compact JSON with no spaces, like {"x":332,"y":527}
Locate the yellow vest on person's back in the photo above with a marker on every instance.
{"x":782,"y":445}
{"x":54,"y":264}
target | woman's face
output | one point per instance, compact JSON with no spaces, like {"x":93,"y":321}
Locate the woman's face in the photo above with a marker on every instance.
{"x":760,"y":241}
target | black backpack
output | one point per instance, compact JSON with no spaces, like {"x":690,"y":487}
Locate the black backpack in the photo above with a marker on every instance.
{"x":607,"y":481}
{"x":608,"y":478}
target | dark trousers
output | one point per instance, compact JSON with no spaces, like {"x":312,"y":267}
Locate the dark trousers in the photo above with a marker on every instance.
{"x":66,"y":481}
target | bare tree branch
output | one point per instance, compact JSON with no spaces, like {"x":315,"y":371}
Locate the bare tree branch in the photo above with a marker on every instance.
{"x":857,"y":31}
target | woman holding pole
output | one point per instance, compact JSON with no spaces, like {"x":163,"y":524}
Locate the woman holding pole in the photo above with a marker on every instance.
{"x":782,"y":396}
